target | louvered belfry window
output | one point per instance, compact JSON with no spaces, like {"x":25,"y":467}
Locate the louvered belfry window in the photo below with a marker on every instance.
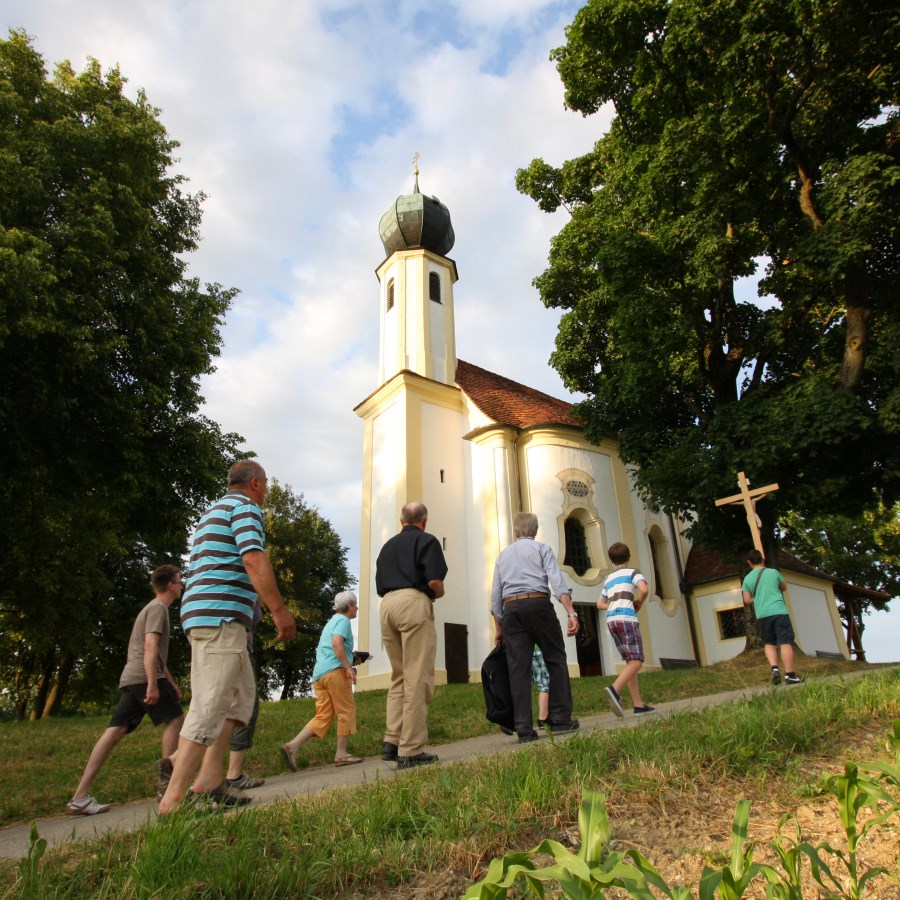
{"x":390,"y":293}
{"x":434,"y":287}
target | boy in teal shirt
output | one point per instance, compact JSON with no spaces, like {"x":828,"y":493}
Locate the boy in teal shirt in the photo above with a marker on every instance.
{"x":764,"y":589}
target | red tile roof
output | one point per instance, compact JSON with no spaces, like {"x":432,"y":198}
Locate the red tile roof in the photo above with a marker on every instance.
{"x":705,"y":565}
{"x":509,"y":403}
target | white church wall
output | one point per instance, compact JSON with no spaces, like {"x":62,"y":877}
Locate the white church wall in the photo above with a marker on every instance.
{"x":437,"y":329}
{"x":670,"y":630}
{"x":493,"y":499}
{"x":476,"y":599}
{"x":444,"y":490}
{"x":813,"y":626}
{"x":388,"y":437}
{"x":475,"y":417}
{"x":414,"y":323}
{"x":665,"y":610}
{"x":390,"y":325}
{"x":543,"y":462}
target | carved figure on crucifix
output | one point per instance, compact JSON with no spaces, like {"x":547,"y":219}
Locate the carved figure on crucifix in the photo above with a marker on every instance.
{"x":747,"y":498}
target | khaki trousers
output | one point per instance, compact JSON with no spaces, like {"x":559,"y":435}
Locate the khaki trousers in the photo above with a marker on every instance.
{"x":410,"y":639}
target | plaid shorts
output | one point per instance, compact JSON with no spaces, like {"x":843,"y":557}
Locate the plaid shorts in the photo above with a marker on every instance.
{"x":539,"y":674}
{"x":627,"y":638}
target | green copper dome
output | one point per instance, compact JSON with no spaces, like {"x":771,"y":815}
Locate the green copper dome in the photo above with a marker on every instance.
{"x":415,"y":221}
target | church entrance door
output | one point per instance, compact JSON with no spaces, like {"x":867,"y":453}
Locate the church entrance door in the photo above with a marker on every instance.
{"x":590,"y":661}
{"x":456,"y":653}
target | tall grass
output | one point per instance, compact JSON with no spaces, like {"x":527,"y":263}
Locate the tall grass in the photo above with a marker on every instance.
{"x":41,"y":762}
{"x":370,"y":840}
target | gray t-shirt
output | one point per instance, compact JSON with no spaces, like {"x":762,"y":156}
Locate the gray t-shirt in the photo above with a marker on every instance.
{"x":153,"y":618}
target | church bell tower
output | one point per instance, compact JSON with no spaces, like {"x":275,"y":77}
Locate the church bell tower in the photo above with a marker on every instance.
{"x":416,"y":281}
{"x":412,"y":447}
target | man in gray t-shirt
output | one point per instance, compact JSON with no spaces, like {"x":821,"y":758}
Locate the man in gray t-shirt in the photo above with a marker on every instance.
{"x":145,"y":688}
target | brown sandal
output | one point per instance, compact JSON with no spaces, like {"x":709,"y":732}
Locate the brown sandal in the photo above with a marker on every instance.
{"x":348,"y":761}
{"x":288,"y":758}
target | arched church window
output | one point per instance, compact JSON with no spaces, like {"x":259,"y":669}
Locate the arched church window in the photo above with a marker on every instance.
{"x":390,"y":293}
{"x":663,"y":578}
{"x":577,"y":555}
{"x":434,"y":287}
{"x":582,"y":534}
{"x":654,"y":555}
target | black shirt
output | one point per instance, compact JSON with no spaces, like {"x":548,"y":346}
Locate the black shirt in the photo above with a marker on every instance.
{"x":410,"y":559}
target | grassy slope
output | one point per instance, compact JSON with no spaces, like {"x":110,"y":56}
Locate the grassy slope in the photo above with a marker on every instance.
{"x":41,"y":762}
{"x":432,"y":832}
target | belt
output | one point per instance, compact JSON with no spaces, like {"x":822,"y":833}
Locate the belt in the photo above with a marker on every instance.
{"x":530,"y":595}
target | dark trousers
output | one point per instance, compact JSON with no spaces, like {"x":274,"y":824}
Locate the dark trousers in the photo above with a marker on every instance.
{"x":526,"y":623}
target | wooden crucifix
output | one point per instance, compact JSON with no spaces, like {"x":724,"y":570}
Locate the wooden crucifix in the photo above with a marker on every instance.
{"x":747,"y":498}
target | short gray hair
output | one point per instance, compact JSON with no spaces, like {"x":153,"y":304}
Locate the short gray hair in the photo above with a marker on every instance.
{"x":343,"y":600}
{"x":243,"y":471}
{"x":525,"y":524}
{"x":413,"y":513}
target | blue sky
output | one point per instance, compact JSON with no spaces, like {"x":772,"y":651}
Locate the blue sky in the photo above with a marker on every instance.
{"x":299,"y":120}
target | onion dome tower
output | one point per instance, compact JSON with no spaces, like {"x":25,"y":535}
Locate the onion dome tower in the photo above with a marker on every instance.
{"x":416,"y":221}
{"x":417,"y":278}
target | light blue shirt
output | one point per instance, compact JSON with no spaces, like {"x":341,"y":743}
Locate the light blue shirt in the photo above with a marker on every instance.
{"x":523,"y":567}
{"x":326,"y":659}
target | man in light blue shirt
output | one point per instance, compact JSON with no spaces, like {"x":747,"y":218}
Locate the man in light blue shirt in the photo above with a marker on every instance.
{"x":524,"y":575}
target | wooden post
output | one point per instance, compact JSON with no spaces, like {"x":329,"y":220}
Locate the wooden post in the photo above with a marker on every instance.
{"x":747,"y":498}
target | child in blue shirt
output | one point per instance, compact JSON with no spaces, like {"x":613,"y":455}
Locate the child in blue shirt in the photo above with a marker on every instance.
{"x":622,"y":595}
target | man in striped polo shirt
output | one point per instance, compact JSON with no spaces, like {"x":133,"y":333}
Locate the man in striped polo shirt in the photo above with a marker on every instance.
{"x":228,"y":570}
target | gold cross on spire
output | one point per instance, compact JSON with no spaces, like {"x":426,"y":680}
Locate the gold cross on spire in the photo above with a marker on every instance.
{"x":747,"y":498}
{"x":416,"y":163}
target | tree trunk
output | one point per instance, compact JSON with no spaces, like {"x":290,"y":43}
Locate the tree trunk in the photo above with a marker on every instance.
{"x":48,"y":669}
{"x":21,"y":689}
{"x":754,"y":642}
{"x":858,"y":314}
{"x":60,"y":685}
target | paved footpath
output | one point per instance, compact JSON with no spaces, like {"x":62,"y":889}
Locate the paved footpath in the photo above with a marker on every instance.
{"x":63,"y":829}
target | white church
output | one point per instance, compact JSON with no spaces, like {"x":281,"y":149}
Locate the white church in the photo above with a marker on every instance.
{"x":476,"y":448}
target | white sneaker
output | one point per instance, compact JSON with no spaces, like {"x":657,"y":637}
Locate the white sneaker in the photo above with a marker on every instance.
{"x":86,"y":806}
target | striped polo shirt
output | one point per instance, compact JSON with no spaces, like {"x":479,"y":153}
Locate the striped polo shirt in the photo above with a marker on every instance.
{"x":619,"y":590}
{"x":218,"y":586}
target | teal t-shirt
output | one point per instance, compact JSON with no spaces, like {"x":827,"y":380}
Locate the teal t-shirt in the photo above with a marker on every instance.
{"x":326,"y":659}
{"x":767,"y":598}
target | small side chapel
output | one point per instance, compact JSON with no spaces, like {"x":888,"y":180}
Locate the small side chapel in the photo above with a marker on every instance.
{"x":476,"y":448}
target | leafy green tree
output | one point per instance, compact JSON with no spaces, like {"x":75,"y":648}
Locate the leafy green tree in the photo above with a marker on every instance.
{"x":859,"y":550}
{"x":311,"y":567}
{"x":103,"y":339}
{"x":746,"y":133}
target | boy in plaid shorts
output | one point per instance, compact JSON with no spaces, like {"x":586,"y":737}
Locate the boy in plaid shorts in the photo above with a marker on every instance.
{"x":623,"y":594}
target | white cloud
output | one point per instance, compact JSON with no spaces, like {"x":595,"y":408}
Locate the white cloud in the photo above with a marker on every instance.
{"x":299,"y":121}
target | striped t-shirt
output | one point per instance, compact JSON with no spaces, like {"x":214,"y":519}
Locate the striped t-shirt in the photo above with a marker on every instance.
{"x":619,"y":590}
{"x":218,"y":586}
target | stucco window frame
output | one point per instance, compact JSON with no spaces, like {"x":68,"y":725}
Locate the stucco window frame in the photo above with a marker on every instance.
{"x":584,"y":510}
{"x":663,"y":593}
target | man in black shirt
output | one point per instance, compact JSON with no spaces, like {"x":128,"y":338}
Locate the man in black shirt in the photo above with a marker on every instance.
{"x":409,"y":577}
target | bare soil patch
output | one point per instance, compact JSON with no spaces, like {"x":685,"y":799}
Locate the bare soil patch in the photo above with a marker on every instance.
{"x":682,"y":831}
